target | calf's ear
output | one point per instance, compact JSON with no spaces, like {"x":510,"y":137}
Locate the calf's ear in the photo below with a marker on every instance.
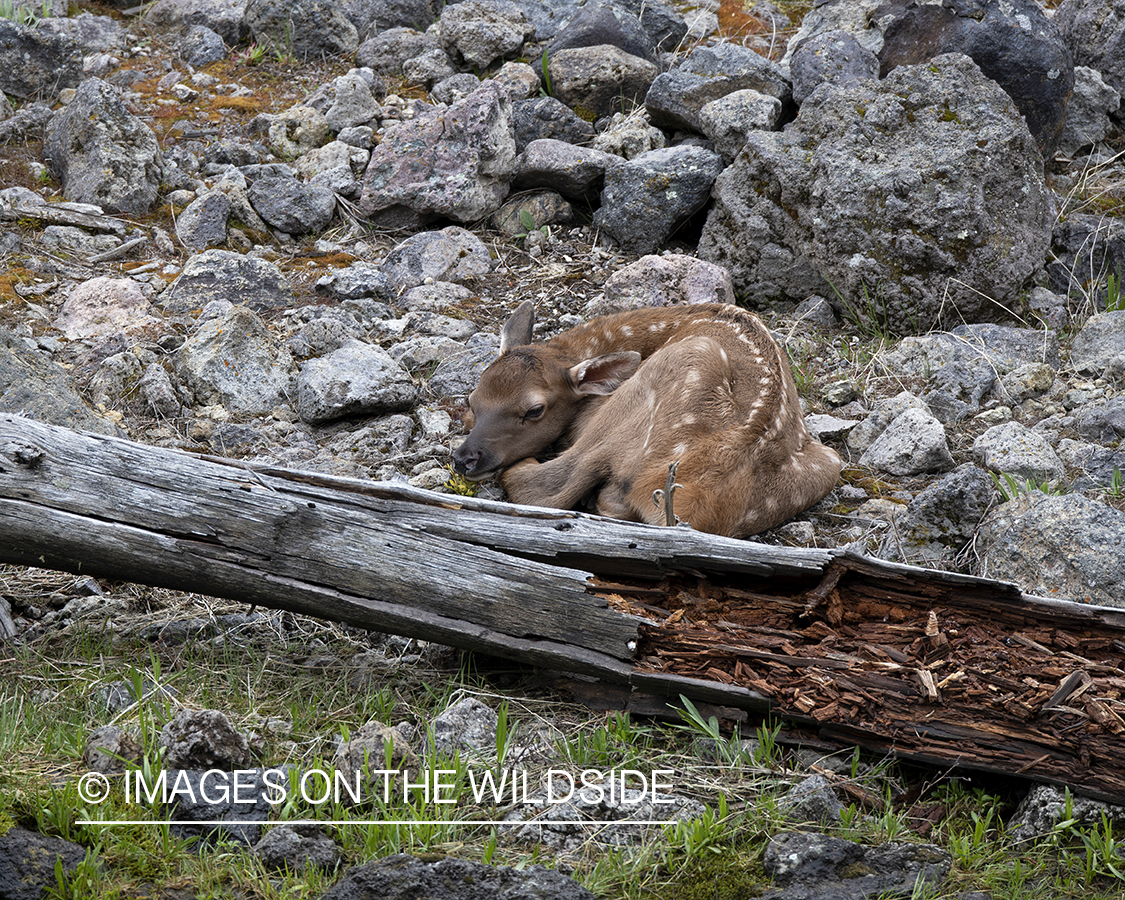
{"x":602,"y":375}
{"x":517,"y":330}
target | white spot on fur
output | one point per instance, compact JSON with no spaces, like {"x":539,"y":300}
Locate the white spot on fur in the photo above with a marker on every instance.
{"x":679,"y":450}
{"x":626,"y":331}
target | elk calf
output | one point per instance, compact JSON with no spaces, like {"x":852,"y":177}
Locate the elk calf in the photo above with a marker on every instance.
{"x":632,"y":393}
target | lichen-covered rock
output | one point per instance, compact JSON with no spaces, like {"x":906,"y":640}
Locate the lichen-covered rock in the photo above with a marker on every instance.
{"x":1067,"y":547}
{"x":646,"y":198}
{"x":104,"y":306}
{"x":36,"y":63}
{"x":546,"y":117}
{"x":601,"y":23}
{"x":233,"y":360}
{"x":452,"y":254}
{"x":102,"y":153}
{"x":1100,"y":345}
{"x":1095,"y":31}
{"x":835,"y":57}
{"x":1013,"y":43}
{"x":302,"y":27}
{"x":230,"y":277}
{"x":453,"y":879}
{"x":941,"y":521}
{"x":1014,"y":449}
{"x":914,"y":442}
{"x":292,"y":206}
{"x":454,"y":163}
{"x":203,"y":739}
{"x":664,"y":281}
{"x":676,"y":98}
{"x":919,"y":200}
{"x":358,"y":378}
{"x":600,"y":81}
{"x":482,"y":31}
{"x":225,"y":17}
{"x":575,"y":172}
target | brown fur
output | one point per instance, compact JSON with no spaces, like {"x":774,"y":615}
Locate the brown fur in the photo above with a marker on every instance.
{"x":632,"y":393}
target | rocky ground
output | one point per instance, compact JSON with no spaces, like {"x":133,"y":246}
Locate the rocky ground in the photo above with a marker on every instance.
{"x":247,"y":282}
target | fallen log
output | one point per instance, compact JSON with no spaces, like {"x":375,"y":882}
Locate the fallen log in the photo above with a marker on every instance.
{"x":930,"y":666}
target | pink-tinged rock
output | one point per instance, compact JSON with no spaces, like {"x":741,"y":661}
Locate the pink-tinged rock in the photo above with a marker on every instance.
{"x":454,"y":163}
{"x":104,"y":306}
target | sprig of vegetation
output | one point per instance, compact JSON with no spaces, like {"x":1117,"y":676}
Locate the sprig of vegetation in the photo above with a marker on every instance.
{"x":1011,"y":486}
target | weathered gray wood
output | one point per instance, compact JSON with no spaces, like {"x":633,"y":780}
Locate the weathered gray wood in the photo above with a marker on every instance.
{"x":117,"y":509}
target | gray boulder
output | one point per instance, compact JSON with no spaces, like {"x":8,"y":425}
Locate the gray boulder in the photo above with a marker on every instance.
{"x":36,"y":63}
{"x":914,"y":200}
{"x":834,"y":57}
{"x":1002,"y":348}
{"x":1013,"y":43}
{"x":1093,"y":465}
{"x":482,"y":31}
{"x":361,"y":279}
{"x":302,"y":27}
{"x":1095,"y":31}
{"x":1089,"y":113}
{"x":102,"y":153}
{"x":886,"y":411}
{"x":233,"y":277}
{"x":1102,"y":421}
{"x":203,"y":222}
{"x":295,"y":848}
{"x":603,"y":23}
{"x":1099,"y":348}
{"x":822,"y":867}
{"x":457,"y":375}
{"x":1067,"y":547}
{"x":356,"y":379}
{"x":373,"y":18}
{"x":292,"y":206}
{"x":664,"y":25}
{"x":546,"y":117}
{"x":30,"y":863}
{"x":811,"y":800}
{"x":467,"y":725}
{"x":708,"y":73}
{"x":452,"y":879}
{"x":1046,"y":805}
{"x":941,"y":521}
{"x":728,"y":121}
{"x":232,"y":359}
{"x":351,"y":101}
{"x":600,"y":81}
{"x":454,"y":163}
{"x":201,"y":46}
{"x":385,"y":53}
{"x":575,"y":172}
{"x":913,"y":443}
{"x":103,"y":306}
{"x":1086,"y":248}
{"x":225,"y":17}
{"x":33,"y":385}
{"x":664,"y":281}
{"x":1014,"y":449}
{"x":646,"y":198}
{"x":204,"y":739}
{"x":452,"y":254}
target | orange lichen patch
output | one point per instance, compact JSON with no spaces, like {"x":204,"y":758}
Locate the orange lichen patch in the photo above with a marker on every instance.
{"x":245,"y":104}
{"x":736,"y":20}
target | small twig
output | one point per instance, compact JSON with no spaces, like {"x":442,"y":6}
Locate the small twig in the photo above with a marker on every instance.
{"x":666,"y":497}
{"x":116,"y":251}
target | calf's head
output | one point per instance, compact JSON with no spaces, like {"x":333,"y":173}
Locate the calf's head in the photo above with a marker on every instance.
{"x":530,"y":395}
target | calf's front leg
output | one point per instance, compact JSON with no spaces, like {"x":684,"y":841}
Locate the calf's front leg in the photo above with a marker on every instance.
{"x":560,"y":483}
